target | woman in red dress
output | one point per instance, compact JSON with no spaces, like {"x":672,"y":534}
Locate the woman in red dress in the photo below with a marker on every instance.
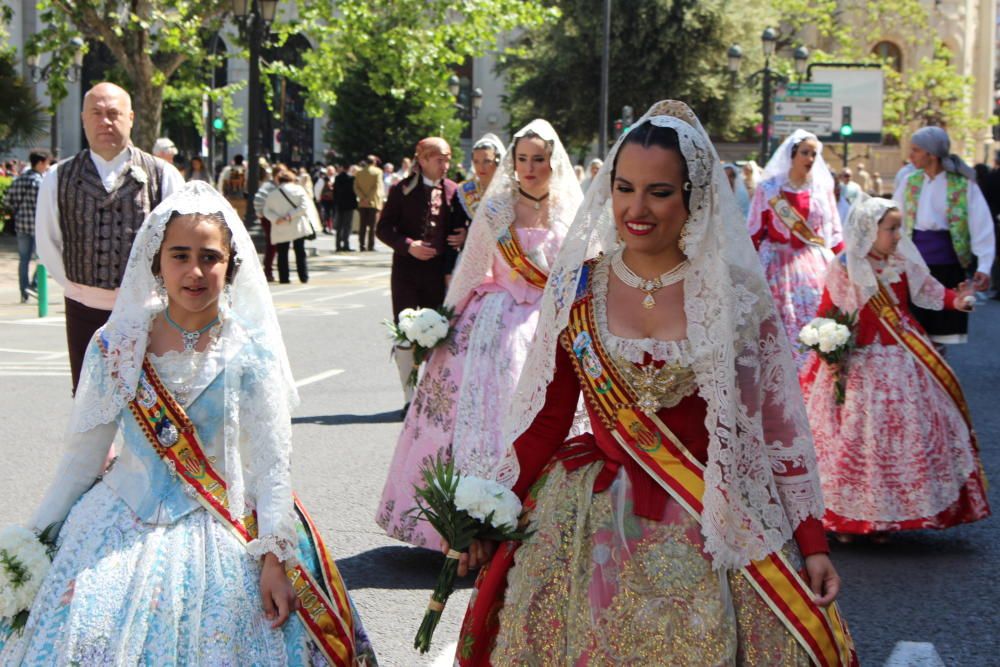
{"x":899,"y":453}
{"x":663,"y":535}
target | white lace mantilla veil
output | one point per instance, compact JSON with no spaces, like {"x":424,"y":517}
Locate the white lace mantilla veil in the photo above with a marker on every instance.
{"x":860,"y":230}
{"x":756,"y":419}
{"x":781,"y":162}
{"x":496,"y":212}
{"x":109,"y":384}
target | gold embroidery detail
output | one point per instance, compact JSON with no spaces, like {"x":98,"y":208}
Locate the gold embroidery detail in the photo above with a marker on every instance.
{"x":657,"y":388}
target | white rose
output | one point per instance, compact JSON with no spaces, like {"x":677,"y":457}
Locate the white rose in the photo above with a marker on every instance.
{"x":479,"y":497}
{"x":809,"y":335}
{"x":842,"y":335}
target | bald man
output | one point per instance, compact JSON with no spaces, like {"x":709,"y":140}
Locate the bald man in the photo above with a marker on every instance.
{"x":425,"y":225}
{"x":89,"y":208}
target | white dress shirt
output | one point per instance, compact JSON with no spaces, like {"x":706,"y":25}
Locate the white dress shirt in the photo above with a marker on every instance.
{"x":932,"y":215}
{"x":48,"y":234}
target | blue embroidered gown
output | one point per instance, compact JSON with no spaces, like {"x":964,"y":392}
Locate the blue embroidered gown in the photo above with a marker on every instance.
{"x":145,"y":576}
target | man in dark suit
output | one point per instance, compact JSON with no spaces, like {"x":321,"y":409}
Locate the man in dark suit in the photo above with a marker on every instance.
{"x":425,"y":225}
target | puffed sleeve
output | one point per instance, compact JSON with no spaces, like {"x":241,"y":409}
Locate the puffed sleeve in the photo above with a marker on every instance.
{"x":266,"y":447}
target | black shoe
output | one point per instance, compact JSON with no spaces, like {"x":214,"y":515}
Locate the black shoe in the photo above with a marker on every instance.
{"x":284,"y":282}
{"x":328,"y":232}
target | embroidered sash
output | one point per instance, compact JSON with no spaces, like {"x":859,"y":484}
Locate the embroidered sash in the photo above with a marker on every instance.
{"x":957,"y":211}
{"x":512,"y":252}
{"x":324,"y":607}
{"x":890,"y":318}
{"x":469,"y":195}
{"x":793,"y":220}
{"x":821,"y":632}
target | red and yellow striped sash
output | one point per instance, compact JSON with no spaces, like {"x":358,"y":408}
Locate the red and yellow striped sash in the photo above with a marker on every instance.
{"x":890,"y":318}
{"x":324,"y":607}
{"x":821,"y":632}
{"x":512,"y":252}
{"x":793,"y":220}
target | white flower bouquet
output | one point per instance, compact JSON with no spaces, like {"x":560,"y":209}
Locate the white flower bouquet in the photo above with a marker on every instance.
{"x":461,"y":509}
{"x":423,"y":329}
{"x":832,"y":338}
{"x":24,"y":561}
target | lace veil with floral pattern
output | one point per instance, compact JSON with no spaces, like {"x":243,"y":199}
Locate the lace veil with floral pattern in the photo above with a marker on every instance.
{"x":759,"y":435}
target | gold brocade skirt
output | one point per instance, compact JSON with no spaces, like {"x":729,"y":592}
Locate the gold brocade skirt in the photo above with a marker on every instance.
{"x":597,"y":585}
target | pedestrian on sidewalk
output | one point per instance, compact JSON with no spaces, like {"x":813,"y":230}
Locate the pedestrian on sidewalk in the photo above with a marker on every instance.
{"x":21,"y":200}
{"x":946,"y":215}
{"x":370,"y":189}
{"x":424,"y":223}
{"x":345,"y":204}
{"x":266,"y":186}
{"x":293,"y":218}
{"x":165,"y":149}
{"x":89,"y":208}
{"x":323,"y":194}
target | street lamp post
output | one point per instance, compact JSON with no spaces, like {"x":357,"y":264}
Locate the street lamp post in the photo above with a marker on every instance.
{"x":254,"y":18}
{"x":467,"y":103}
{"x":768,"y":42}
{"x":43,"y":73}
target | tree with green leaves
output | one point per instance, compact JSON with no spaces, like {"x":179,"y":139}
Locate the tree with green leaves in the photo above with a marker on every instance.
{"x":401,"y":52}
{"x":659,"y":49}
{"x":22,"y":118}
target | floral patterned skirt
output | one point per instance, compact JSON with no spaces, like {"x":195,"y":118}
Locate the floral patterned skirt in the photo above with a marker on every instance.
{"x":897,"y":454}
{"x":123,"y":592}
{"x":459,"y":406}
{"x":796,"y":277}
{"x":597,"y":585}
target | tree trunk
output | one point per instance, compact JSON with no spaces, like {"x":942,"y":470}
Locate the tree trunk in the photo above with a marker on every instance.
{"x":147,"y":102}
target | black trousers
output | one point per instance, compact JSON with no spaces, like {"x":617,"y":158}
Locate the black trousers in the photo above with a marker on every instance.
{"x":345,"y":216}
{"x":942,"y":324}
{"x":81,"y":323}
{"x":300,"y":260}
{"x":366,"y":234}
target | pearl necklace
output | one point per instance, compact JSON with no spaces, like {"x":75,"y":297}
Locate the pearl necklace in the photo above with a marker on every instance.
{"x":629,"y":277}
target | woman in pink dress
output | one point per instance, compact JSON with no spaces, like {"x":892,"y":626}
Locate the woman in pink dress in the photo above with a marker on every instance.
{"x":900,"y":452}
{"x":796,"y":228}
{"x":466,"y":388}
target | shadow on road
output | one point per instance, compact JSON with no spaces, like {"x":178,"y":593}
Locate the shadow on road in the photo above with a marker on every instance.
{"x":341,"y":420}
{"x":396,"y":568}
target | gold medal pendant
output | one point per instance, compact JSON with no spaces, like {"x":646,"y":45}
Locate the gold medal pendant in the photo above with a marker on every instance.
{"x":649,"y":302}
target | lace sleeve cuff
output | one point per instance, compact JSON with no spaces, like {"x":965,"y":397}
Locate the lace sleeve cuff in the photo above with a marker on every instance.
{"x":272,"y":544}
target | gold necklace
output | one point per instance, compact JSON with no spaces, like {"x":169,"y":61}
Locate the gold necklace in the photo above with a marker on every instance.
{"x":649,"y":286}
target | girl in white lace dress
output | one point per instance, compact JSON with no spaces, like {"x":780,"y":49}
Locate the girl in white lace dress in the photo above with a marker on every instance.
{"x":464,"y":393}
{"x":152,"y":566}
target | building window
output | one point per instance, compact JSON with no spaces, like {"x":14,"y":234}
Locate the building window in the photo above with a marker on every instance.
{"x":889,"y":52}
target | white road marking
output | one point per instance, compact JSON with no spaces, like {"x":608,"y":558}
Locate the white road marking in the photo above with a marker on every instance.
{"x":319,"y":376}
{"x":914,"y":654}
{"x":295,"y":290}
{"x":53,"y":321}
{"x":446,"y":658}
{"x":354,"y":293}
{"x":47,"y":354}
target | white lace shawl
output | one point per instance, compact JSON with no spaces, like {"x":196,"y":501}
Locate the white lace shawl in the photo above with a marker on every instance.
{"x":259,"y":389}
{"x":756,"y":420}
{"x":781,"y":162}
{"x":860,"y":231}
{"x":495,"y":213}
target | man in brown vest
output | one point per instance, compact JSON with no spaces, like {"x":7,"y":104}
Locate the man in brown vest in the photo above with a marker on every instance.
{"x":370,"y":189}
{"x":89,"y":208}
{"x":425,"y":225}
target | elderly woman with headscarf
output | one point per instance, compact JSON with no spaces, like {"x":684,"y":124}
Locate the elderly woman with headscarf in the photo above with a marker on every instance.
{"x":795,"y":226}
{"x":949,"y":221}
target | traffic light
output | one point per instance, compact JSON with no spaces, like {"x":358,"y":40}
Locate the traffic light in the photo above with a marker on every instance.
{"x":219,"y":123}
{"x":846,"y":128}
{"x":218,"y":119}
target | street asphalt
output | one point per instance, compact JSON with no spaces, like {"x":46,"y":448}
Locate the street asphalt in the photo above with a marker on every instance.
{"x":928,"y":587}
